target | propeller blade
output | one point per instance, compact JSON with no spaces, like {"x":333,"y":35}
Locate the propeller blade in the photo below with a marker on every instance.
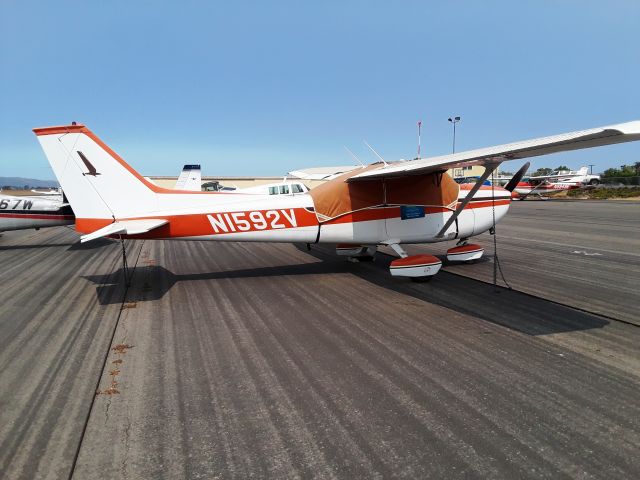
{"x":517,"y":177}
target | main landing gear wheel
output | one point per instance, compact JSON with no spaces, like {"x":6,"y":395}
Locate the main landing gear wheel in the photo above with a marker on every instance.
{"x":465,"y":253}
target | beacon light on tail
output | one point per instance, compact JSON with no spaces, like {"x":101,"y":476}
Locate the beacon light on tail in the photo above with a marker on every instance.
{"x":381,"y":204}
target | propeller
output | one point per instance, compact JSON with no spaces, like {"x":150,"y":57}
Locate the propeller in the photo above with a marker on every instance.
{"x":517,"y":177}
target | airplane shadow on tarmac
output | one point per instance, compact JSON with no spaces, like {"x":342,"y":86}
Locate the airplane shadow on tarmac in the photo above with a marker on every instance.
{"x":33,"y":246}
{"x":98,"y":243}
{"x":511,"y":309}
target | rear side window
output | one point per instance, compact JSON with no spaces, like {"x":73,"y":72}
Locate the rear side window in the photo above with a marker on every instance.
{"x":284,"y":189}
{"x":273,"y":190}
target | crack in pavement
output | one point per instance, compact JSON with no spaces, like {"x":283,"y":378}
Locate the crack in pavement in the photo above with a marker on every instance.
{"x":106,"y":357}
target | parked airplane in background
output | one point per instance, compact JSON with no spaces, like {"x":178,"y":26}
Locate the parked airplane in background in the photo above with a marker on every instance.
{"x":190,"y":179}
{"x":55,"y":193}
{"x":405,"y":202}
{"x":286,"y":187}
{"x":560,"y":180}
{"x":22,"y":212}
{"x":50,"y":209}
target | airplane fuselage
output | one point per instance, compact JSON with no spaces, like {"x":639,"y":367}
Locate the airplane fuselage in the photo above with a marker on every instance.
{"x":19,"y":213}
{"x":293,"y":218}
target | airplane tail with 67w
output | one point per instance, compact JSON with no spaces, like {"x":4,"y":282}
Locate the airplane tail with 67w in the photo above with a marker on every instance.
{"x":390,"y":204}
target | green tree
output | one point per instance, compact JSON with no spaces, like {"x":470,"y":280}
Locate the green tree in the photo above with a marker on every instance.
{"x":623,"y":171}
{"x":542,"y":171}
{"x":563,"y":167}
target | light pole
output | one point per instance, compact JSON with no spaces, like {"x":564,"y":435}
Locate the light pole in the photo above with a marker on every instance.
{"x":454,"y":120}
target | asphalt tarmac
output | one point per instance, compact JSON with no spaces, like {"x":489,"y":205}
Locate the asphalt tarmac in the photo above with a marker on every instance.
{"x":269,"y":361}
{"x":585,"y":254}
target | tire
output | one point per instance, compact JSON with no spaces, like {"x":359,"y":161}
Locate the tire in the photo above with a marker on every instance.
{"x":594,"y":181}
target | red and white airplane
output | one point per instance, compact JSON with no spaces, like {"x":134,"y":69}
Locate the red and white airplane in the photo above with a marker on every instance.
{"x":561,"y":180}
{"x":394,"y":204}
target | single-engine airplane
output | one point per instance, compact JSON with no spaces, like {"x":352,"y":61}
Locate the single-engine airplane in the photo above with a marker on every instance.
{"x":561,"y":180}
{"x":413,"y":201}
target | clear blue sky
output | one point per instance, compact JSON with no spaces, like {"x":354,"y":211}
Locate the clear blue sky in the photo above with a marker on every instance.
{"x":260,"y":88}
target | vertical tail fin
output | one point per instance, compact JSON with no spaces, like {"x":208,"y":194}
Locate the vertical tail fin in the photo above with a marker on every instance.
{"x":190,"y":178}
{"x":94,"y":178}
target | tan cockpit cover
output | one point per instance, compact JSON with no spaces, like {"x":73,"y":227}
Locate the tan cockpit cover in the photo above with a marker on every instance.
{"x":337,"y":197}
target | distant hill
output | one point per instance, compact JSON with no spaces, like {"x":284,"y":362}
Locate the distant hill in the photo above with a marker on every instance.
{"x":31,"y":182}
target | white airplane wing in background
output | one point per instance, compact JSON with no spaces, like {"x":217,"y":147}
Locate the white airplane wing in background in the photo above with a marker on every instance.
{"x":321,"y":173}
{"x":190,"y":179}
{"x":493,"y":156}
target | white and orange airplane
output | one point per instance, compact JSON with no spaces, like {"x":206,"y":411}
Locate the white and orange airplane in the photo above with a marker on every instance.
{"x":392,"y":204}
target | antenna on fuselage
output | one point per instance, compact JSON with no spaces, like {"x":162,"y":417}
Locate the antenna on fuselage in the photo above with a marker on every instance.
{"x":354,"y":156}
{"x":419,"y":132}
{"x":376,"y":153}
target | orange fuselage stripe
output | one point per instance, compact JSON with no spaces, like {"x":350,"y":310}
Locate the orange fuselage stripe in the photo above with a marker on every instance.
{"x":193,"y":225}
{"x":199,"y":224}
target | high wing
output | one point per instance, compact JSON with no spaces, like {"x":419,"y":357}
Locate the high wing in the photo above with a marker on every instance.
{"x":125,"y":227}
{"x":492,"y":156}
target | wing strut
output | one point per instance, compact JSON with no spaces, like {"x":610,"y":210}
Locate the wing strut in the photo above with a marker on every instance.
{"x":489,"y":168}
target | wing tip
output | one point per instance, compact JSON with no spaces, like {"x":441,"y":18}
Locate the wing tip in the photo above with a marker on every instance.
{"x":627,"y":128}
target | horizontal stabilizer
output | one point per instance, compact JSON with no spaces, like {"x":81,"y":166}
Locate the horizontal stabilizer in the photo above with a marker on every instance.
{"x":125,"y":227}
